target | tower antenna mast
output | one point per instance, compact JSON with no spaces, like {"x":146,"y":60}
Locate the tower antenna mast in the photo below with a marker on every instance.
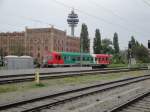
{"x":72,"y":21}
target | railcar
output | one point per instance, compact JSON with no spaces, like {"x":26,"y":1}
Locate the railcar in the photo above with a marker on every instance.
{"x":75,"y":59}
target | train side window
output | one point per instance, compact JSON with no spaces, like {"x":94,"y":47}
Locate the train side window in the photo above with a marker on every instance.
{"x":87,"y":58}
{"x":65,"y":57}
{"x":107,"y":59}
{"x":59,"y":57}
{"x":91,"y":59}
{"x":83,"y":58}
{"x":78,"y":58}
{"x":56,"y":57}
{"x":73,"y":59}
{"x":95,"y":59}
{"x":69,"y":58}
{"x":103,"y":59}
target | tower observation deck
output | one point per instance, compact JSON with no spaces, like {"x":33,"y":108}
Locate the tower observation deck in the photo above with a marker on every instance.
{"x":72,"y":21}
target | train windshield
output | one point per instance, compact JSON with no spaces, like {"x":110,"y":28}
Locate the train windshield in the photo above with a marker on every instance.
{"x":49,"y":57}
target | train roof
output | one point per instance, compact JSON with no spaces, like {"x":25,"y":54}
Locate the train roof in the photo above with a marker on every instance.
{"x":78,"y":53}
{"x":74,"y":53}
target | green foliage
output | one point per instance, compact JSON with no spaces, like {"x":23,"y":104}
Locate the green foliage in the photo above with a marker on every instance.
{"x":117,"y":59}
{"x":117,"y":65}
{"x":116,"y":43}
{"x":40,"y":85}
{"x":139,"y":51}
{"x":84,"y":39}
{"x":107,"y":46}
{"x":97,"y":47}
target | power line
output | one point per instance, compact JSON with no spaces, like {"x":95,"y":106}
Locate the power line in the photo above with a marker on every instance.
{"x":36,"y":20}
{"x":146,"y":2}
{"x":30,"y":19}
{"x":113,"y":13}
{"x":88,"y":14}
{"x":11,"y":25}
{"x":93,"y":16}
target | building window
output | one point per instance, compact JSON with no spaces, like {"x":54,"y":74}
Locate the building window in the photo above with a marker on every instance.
{"x":46,"y":48}
{"x":31,"y":54}
{"x":38,"y":55}
{"x":38,"y":48}
{"x":31,"y":48}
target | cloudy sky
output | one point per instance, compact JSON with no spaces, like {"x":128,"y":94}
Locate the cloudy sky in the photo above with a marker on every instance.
{"x":126,"y":17}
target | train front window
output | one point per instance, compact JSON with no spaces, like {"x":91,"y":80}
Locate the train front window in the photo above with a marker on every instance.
{"x":49,"y":57}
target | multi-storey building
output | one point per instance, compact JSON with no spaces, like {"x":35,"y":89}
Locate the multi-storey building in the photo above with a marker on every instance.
{"x":11,"y":43}
{"x":37,"y":41}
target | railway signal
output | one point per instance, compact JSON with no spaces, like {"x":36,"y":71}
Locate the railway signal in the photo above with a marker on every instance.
{"x":149,"y":44}
{"x":129,"y":45}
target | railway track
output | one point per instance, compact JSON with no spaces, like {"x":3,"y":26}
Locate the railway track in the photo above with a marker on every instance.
{"x":139,"y":104}
{"x":42,"y":102}
{"x":5,"y":79}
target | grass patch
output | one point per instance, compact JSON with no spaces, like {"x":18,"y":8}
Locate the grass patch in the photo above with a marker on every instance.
{"x":40,"y":85}
{"x":117,"y":65}
{"x":25,"y":86}
{"x":4,"y":89}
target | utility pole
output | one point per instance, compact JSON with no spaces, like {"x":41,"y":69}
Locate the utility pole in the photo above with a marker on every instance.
{"x":25,"y":41}
{"x":81,"y":51}
{"x":129,"y":53}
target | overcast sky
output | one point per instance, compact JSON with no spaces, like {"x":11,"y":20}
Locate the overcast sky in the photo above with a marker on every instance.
{"x":126,"y":17}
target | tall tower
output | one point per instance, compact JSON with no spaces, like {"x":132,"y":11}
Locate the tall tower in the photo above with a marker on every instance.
{"x":72,"y":21}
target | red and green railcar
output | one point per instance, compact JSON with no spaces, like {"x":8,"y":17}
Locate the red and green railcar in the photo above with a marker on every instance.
{"x":70,"y":59}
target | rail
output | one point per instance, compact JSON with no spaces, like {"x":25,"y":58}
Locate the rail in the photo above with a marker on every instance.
{"x":66,"y":96}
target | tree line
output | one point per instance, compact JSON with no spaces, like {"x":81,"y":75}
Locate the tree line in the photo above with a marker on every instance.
{"x":107,"y":46}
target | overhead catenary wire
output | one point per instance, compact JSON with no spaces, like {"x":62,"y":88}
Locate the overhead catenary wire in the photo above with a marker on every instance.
{"x":146,"y":2}
{"x":98,"y":18}
{"x":112,"y":13}
{"x":85,"y":13}
{"x":9,"y":25}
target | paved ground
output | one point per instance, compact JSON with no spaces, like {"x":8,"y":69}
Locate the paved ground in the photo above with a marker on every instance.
{"x":42,"y":70}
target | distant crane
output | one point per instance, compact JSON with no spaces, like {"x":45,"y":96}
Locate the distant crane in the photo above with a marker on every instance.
{"x":72,"y":21}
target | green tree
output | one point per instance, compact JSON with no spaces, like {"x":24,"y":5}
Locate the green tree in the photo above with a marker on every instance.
{"x":133,"y":41}
{"x":97,"y":47}
{"x":139,"y":51}
{"x":84,"y":39}
{"x":116,"y":43}
{"x":107,"y":46}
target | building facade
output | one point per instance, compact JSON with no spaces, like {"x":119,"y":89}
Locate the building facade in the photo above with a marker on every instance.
{"x":36,"y":42}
